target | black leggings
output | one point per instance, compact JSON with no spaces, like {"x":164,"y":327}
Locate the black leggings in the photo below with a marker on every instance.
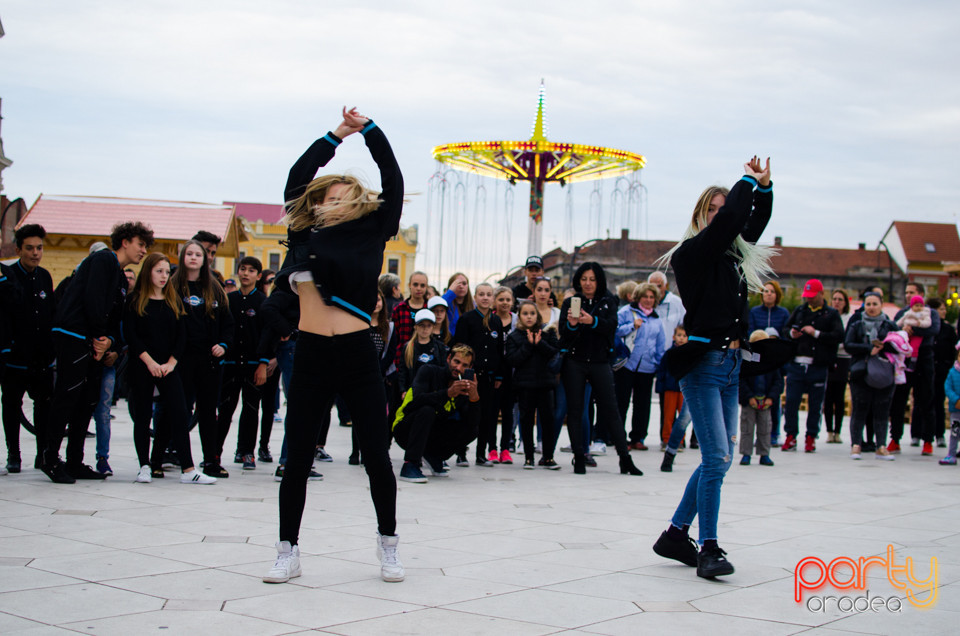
{"x":38,"y":384}
{"x":834,"y":400}
{"x":489,"y":406}
{"x":173,"y":424}
{"x":200,"y":376}
{"x":535,"y":402}
{"x":324,"y":366}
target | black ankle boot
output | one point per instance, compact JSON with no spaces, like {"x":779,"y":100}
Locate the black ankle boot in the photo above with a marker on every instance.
{"x":627,"y":467}
{"x":667,"y":465}
{"x":579,"y":465}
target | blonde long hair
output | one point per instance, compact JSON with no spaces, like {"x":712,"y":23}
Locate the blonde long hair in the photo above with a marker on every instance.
{"x":309,"y":210}
{"x":753,"y":259}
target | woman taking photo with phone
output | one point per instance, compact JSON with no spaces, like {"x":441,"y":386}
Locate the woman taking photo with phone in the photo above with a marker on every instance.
{"x":588,"y":322}
{"x":338,"y":230}
{"x":716,"y":264}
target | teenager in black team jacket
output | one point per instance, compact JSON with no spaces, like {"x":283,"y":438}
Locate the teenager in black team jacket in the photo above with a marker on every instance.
{"x":209,"y":326}
{"x":87,"y":324}
{"x":482,"y":331}
{"x":27,"y":308}
{"x":587,"y":341}
{"x":241,"y":362}
{"x":155,"y":332}
{"x":716,"y":264}
{"x":338,"y":230}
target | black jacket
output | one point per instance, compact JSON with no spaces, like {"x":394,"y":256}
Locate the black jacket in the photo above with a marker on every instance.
{"x":159,"y":332}
{"x":432,"y":353}
{"x":430,"y":389}
{"x":92,"y":304}
{"x":248,"y":327}
{"x":855,"y":339}
{"x":944,"y":347}
{"x":203,"y":330}
{"x":486,"y":342}
{"x":530,"y":361}
{"x":594,"y":342}
{"x":826,"y":320}
{"x":708,"y":277}
{"x":767,"y":385}
{"x":345,"y":260}
{"x":28,"y":308}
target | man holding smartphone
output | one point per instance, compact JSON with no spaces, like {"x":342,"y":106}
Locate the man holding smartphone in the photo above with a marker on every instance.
{"x":440,"y":414}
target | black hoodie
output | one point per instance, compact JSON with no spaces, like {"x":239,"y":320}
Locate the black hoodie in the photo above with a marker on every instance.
{"x":594,"y":342}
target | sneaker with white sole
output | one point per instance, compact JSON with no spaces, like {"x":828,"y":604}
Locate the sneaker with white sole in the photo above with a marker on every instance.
{"x":144,"y":476}
{"x":197,"y":477}
{"x":391,"y":569}
{"x":287,"y":565}
{"x":598,"y":448}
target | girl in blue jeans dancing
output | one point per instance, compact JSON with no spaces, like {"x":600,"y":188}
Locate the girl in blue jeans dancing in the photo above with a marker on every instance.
{"x":716,"y":263}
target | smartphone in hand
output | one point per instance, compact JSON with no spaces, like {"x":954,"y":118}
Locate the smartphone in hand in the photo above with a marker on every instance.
{"x":469,"y":374}
{"x":575,"y":306}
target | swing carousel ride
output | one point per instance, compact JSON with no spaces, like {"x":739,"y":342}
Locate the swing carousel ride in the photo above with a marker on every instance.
{"x":538,"y":161}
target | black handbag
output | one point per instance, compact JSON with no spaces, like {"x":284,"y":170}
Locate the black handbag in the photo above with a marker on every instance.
{"x":879,"y":372}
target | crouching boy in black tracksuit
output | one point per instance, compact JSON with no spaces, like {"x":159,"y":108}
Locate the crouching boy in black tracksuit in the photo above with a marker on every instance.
{"x":439,"y":415}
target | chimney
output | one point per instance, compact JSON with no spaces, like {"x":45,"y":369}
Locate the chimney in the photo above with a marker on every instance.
{"x":624,"y":234}
{"x":778,"y":241}
{"x":862,"y":246}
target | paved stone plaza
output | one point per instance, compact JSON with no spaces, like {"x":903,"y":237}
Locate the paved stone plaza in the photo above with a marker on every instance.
{"x":488,"y":550}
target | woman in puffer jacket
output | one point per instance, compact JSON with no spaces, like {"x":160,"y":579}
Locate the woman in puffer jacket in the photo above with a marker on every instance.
{"x":639,"y":321}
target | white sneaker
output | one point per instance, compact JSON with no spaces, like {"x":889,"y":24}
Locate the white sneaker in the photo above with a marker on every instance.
{"x":287,"y":565}
{"x":144,"y":476}
{"x":566,"y":449}
{"x":4,"y":471}
{"x":196,"y":477}
{"x":598,"y":448}
{"x":391,"y":569}
{"x":539,"y":449}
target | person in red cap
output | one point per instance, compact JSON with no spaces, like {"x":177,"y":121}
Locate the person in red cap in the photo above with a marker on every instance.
{"x":818,"y":331}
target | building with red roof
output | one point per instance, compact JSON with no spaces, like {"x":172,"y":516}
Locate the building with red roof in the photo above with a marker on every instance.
{"x":928,"y":253}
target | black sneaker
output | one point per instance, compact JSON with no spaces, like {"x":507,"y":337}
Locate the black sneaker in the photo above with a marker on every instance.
{"x":278,"y":476}
{"x":57,"y":472}
{"x":412,"y":473}
{"x":13,"y":466}
{"x":103,"y":466}
{"x":215,"y":470}
{"x":354,"y":459}
{"x":712,"y":562}
{"x":249,"y":463}
{"x":314,"y":476}
{"x":84,"y":471}
{"x":590,"y":461}
{"x":549,"y":464}
{"x":237,"y":458}
{"x":322,"y":455}
{"x":684,"y":551}
{"x":528,"y":464}
{"x":264,"y":455}
{"x":462,"y":461}
{"x":481,"y":461}
{"x":170,"y":458}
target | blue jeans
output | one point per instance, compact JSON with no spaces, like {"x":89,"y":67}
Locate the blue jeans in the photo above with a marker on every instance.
{"x":679,"y":429}
{"x":812,"y":380}
{"x":101,"y":415}
{"x":285,"y":365}
{"x":710,"y":391}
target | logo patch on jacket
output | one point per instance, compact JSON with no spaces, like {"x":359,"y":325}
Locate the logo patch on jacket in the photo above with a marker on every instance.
{"x":194,"y":301}
{"x":425,"y":358}
{"x":42,"y":294}
{"x":251,"y":312}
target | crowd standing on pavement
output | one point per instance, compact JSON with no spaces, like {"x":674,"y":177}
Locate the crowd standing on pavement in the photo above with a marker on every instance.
{"x":497,"y":368}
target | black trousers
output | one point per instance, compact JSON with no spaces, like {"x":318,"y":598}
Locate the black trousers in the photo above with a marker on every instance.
{"x":574,"y":376}
{"x":640,"y":385}
{"x":75,"y":397}
{"x":173,"y":425}
{"x":489,"y":406}
{"x":38,"y":384}
{"x":237,"y":383}
{"x":868,"y":401}
{"x":323,"y":367}
{"x":534,"y":402}
{"x":920,"y":380}
{"x":200,"y":376}
{"x":247,"y":433}
{"x":940,"y":401}
{"x":425,"y":432}
{"x":834,"y":399}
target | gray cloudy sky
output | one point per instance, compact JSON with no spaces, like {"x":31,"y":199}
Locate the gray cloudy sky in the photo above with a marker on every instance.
{"x":856,"y":101}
